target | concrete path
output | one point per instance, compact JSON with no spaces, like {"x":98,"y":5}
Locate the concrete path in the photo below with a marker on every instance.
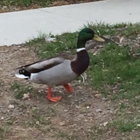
{"x":18,"y":27}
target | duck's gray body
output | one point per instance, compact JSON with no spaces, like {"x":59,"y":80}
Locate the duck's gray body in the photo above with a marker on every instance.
{"x":58,"y":75}
{"x":52,"y":72}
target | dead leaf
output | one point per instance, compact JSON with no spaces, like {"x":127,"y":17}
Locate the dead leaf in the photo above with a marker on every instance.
{"x":26,"y":96}
{"x":105,"y":123}
{"x":121,"y":39}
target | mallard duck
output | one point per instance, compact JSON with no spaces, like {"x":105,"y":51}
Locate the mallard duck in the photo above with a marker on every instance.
{"x":60,"y":69}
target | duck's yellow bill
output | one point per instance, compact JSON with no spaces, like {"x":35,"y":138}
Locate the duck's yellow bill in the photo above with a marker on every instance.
{"x":98,"y":38}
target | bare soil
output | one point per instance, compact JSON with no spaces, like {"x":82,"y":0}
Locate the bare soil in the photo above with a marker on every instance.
{"x":77,"y":116}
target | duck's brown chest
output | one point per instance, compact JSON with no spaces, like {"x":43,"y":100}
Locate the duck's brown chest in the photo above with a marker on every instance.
{"x":81,"y":63}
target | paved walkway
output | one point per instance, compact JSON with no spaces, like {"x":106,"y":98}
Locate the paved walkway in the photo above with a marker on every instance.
{"x":18,"y":27}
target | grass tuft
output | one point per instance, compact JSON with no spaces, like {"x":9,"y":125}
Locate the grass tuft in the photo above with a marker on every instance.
{"x":20,"y":90}
{"x":26,"y":3}
{"x":123,"y":126}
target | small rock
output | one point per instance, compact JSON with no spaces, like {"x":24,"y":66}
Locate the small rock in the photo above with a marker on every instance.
{"x":11,"y":106}
{"x":1,"y":69}
{"x":98,"y":96}
{"x":101,"y":124}
{"x":87,"y":107}
{"x":114,"y":138}
{"x":15,"y":8}
{"x":62,"y":123}
{"x":111,"y":112}
{"x":40,"y":91}
{"x":138,"y":125}
{"x":103,"y":99}
{"x":138,"y":36}
{"x":37,"y":122}
{"x":77,"y":106}
{"x":80,"y":116}
{"x":98,"y":110}
{"x":26,"y":96}
{"x":24,"y":49}
{"x":4,"y":7}
{"x":2,"y":118}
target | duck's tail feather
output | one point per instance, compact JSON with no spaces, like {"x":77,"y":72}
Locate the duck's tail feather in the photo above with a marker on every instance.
{"x":22,"y":73}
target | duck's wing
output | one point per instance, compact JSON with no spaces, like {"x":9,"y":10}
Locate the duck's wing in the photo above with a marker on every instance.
{"x":43,"y":65}
{"x":25,"y":71}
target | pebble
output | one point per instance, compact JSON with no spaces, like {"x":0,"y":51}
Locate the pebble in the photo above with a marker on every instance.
{"x":1,"y":69}
{"x":77,"y":106}
{"x":26,"y":96}
{"x":87,"y":107}
{"x":11,"y":106}
{"x":4,"y":7}
{"x":138,"y":36}
{"x":62,"y":123}
{"x":103,"y":99}
{"x":15,"y":8}
{"x":138,"y":125}
{"x":2,"y":118}
{"x":98,"y":110}
{"x":37,"y":122}
{"x":24,"y":49}
{"x":98,"y":96}
{"x":103,"y":124}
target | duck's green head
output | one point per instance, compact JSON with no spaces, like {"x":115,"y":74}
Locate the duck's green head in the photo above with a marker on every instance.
{"x":85,"y":35}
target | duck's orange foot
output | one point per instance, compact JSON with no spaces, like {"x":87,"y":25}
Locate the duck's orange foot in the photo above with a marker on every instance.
{"x":68,"y":88}
{"x":53,"y":99}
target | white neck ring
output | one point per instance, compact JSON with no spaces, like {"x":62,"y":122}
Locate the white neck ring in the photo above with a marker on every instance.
{"x":80,"y":49}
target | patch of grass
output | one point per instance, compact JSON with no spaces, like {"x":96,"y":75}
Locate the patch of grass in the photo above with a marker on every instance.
{"x":122,"y":29}
{"x":64,"y":43}
{"x":3,"y":132}
{"x":64,"y":135}
{"x":25,"y":3}
{"x":95,"y":132}
{"x":112,"y":66}
{"x":10,"y":121}
{"x":39,"y":117}
{"x":20,"y":90}
{"x":123,"y":126}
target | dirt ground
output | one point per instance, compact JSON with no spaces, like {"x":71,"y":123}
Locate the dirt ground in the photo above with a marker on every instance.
{"x":77,"y":116}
